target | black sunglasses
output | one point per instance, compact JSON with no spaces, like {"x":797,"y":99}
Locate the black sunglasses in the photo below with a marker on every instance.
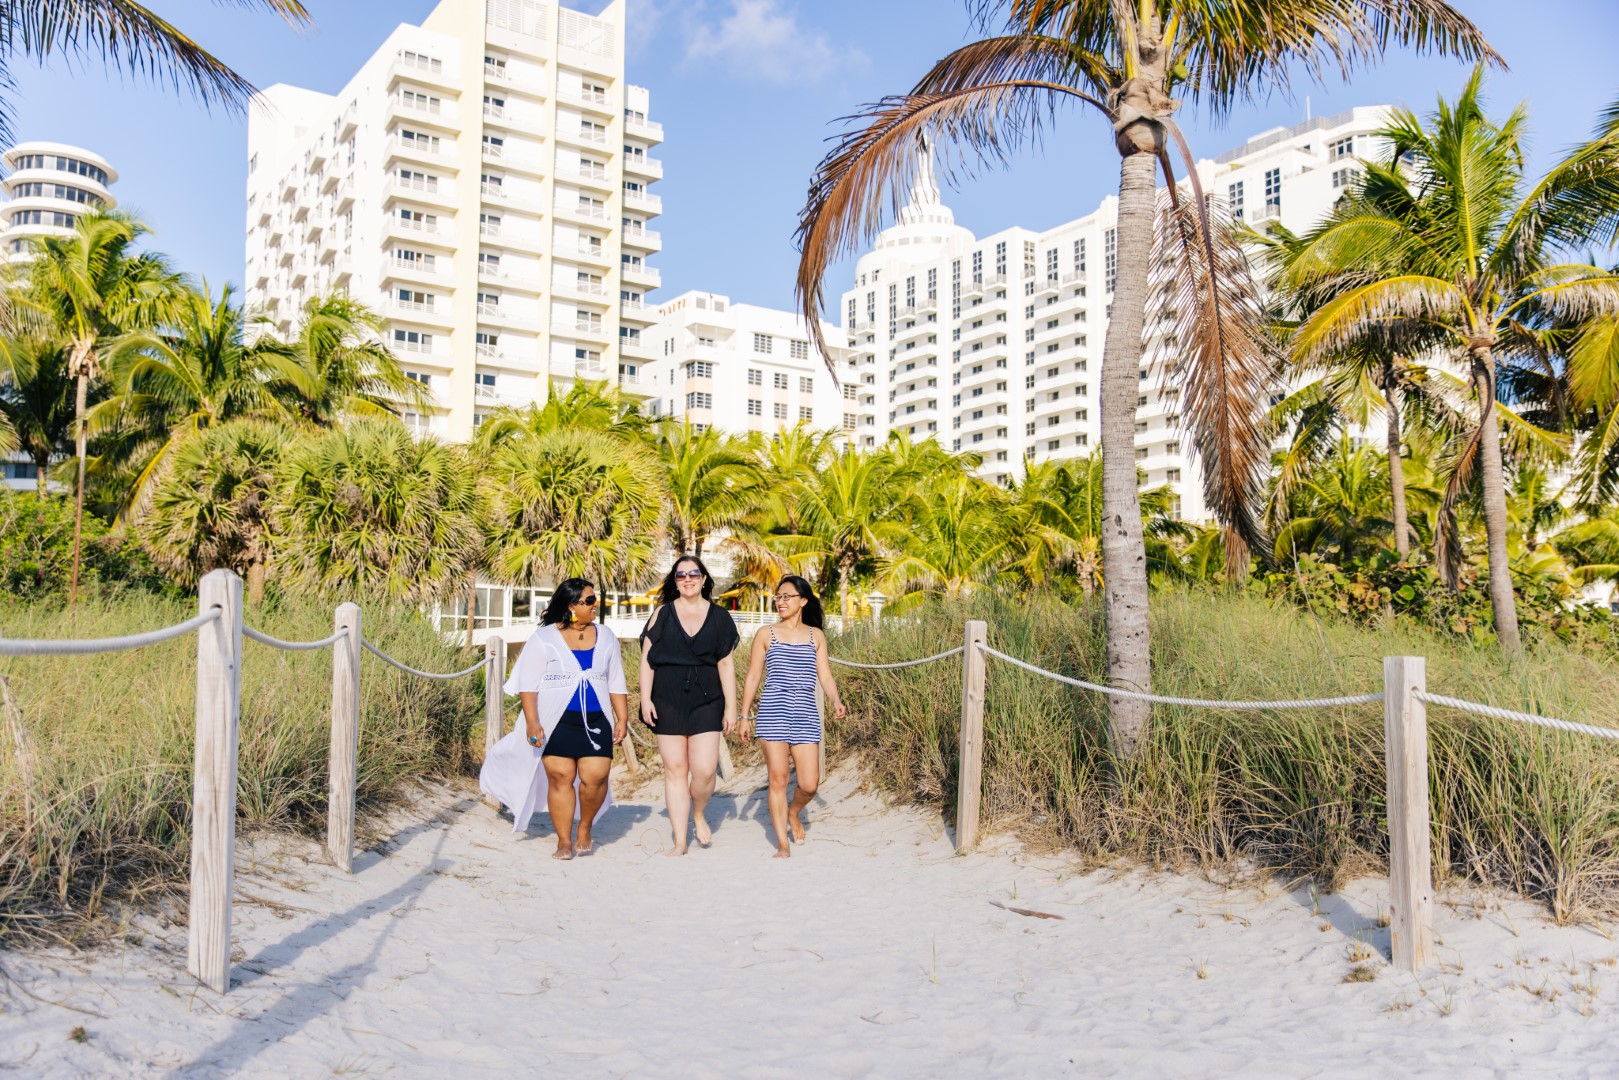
{"x":688,"y":573}
{"x":587,"y":601}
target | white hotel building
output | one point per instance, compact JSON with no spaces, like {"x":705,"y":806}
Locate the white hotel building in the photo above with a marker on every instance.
{"x":47,"y":186}
{"x":994,"y":345}
{"x":741,"y":368}
{"x":482,"y":183}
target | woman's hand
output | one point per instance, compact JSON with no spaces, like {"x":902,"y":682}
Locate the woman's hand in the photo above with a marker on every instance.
{"x":536,"y":733}
{"x":730,"y":722}
{"x":649,"y":712}
{"x":744,"y":730}
{"x":621,"y":728}
{"x":838,"y":710}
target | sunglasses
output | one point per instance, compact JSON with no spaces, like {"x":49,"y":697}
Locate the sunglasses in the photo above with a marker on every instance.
{"x":787,"y":596}
{"x":688,"y":574}
{"x":585,"y":601}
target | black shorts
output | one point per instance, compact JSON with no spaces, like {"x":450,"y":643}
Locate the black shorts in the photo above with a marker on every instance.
{"x":570,"y":739}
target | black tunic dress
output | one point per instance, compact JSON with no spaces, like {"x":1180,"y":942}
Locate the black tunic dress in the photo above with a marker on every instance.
{"x":686,"y":689}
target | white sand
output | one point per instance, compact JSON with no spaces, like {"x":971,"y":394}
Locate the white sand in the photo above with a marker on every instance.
{"x":454,"y":951}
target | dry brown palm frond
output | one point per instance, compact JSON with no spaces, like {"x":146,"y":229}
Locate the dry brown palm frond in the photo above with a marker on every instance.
{"x":1223,"y":358}
{"x":874,"y":162}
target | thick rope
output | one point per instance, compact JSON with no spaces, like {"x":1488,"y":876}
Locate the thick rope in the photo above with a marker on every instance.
{"x":11,"y":647}
{"x":296,"y":646}
{"x":385,"y":658}
{"x":1302,"y":703}
{"x":1522,"y":717}
{"x":901,"y":664}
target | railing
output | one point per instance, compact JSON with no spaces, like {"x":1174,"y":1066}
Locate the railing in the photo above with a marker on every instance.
{"x":1405,"y":699}
{"x":220,"y":630}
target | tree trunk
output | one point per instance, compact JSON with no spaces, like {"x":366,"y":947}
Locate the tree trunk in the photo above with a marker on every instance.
{"x":1124,"y":558}
{"x":472,"y":604}
{"x":1495,"y":502}
{"x":255,"y":582}
{"x":80,"y":394}
{"x":42,"y":464}
{"x":1402,"y":534}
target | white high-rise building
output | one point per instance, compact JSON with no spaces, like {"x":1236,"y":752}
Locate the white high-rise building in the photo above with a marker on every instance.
{"x":47,"y":186}
{"x":741,"y":368}
{"x":994,"y":345}
{"x":482,"y":183}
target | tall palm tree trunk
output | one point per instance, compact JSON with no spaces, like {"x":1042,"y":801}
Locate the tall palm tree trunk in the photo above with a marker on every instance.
{"x":81,"y":392}
{"x":42,"y":464}
{"x":1402,"y":529}
{"x":1495,"y":500}
{"x":1124,"y":559}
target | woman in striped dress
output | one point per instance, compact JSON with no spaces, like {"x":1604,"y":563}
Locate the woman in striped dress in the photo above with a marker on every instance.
{"x":789,"y":657}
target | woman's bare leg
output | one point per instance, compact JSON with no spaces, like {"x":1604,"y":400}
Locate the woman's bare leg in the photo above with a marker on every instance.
{"x":703,"y":751}
{"x":807,"y":763}
{"x":592,"y":792}
{"x":559,"y":774}
{"x":676,"y":787}
{"x":779,"y":765}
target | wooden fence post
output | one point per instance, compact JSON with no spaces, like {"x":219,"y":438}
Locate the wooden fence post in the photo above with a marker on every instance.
{"x":343,"y":762}
{"x":970,"y":773}
{"x":494,"y":697}
{"x":213,"y":800}
{"x":1405,"y":737}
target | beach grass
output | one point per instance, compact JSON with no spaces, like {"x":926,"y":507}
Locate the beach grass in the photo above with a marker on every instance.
{"x":1298,"y":793}
{"x":95,"y":776}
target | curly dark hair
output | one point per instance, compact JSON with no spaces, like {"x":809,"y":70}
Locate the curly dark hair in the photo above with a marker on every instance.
{"x":667,"y":592}
{"x":567,"y":594}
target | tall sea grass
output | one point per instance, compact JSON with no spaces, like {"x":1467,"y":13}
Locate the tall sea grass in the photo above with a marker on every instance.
{"x":95,"y":788}
{"x":1299,"y":792}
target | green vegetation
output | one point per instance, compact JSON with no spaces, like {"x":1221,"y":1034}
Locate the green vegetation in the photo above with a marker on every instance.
{"x":1232,"y":791}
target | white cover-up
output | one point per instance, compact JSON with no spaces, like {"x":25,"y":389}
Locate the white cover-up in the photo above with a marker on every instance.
{"x":513,"y":773}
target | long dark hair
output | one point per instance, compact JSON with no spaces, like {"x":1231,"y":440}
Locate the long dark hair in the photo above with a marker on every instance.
{"x":567,"y":594}
{"x":667,"y":591}
{"x":812,"y":615}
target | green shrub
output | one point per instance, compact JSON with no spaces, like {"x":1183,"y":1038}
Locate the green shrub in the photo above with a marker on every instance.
{"x":36,"y":552}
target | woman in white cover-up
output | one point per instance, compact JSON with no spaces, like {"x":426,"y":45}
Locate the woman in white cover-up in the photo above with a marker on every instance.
{"x":561,"y":754}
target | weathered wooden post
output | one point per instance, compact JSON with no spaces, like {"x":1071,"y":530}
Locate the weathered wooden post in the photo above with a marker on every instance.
{"x":1405,"y":737}
{"x":343,"y":764}
{"x":970,"y":773}
{"x":494,"y":697}
{"x":213,"y":800}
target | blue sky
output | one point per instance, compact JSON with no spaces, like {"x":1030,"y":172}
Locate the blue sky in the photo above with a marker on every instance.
{"x":747,"y":91}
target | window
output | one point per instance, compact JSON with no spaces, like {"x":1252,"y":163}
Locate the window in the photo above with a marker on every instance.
{"x":416,"y":100}
{"x":762,"y":343}
{"x":1273,"y":191}
{"x":416,"y":140}
{"x":1342,"y":178}
{"x":798,"y":350}
{"x":1234,"y":197}
{"x":848,"y":391}
{"x":755,"y":407}
{"x":413,"y":341}
{"x":488,"y":301}
{"x":848,"y":421}
{"x":806,"y":385}
{"x":1079,"y":256}
{"x":805,"y":412}
{"x":755,"y":377}
{"x":419,"y":377}
{"x":1051,"y":265}
{"x":699,"y":369}
{"x":1173,"y":476}
{"x":780,"y":410}
{"x":1110,"y":257}
{"x":1339,"y":149}
{"x":415,"y":301}
{"x":421,"y":61}
{"x":779,"y":378}
{"x":698,"y":400}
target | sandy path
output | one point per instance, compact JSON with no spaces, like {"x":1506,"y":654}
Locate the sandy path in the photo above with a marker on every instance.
{"x":454,"y":951}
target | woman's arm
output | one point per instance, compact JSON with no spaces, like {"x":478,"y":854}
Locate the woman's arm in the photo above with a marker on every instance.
{"x":823,"y":671}
{"x":531,"y":717}
{"x":649,"y":714}
{"x":621,"y":716}
{"x":728,"y":688}
{"x":750,"y":686}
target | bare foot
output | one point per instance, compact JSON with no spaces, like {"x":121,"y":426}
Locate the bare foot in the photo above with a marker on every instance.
{"x":583,"y":844}
{"x":680,"y":850}
{"x":783,"y":852}
{"x":563,"y":851}
{"x":798,"y":829}
{"x":705,"y":835}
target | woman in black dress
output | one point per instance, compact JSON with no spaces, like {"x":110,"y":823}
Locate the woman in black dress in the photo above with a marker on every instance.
{"x":688,"y":692}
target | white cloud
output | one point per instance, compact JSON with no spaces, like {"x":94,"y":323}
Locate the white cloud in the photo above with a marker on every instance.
{"x":761,"y":39}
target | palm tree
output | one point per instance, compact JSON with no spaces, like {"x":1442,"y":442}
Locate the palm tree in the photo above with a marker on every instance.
{"x":1343,"y":504}
{"x":571,"y":501}
{"x":1444,"y":233}
{"x":168,"y":386}
{"x":125,"y":34}
{"x":88,"y":287}
{"x":211,"y":506}
{"x":713,"y":482}
{"x":849,"y":515}
{"x":338,"y":366}
{"x":1128,"y":61}
{"x":36,"y":399}
{"x":953,"y":544}
{"x":369,"y":508}
{"x":594,"y":406}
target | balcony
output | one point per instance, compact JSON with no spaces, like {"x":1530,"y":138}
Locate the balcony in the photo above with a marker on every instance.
{"x":419,"y":70}
{"x":593,"y":176}
{"x":640,"y":165}
{"x":595,"y":254}
{"x":585,"y":213}
{"x":1074,"y":277}
{"x":347,"y":122}
{"x":644,"y":201}
{"x":650,"y":130}
{"x":434,"y":112}
{"x":419,"y":150}
{"x":496,"y":113}
{"x":648,"y":276}
{"x":588,"y":328}
{"x":646,"y":239}
{"x":585,"y":136}
{"x":594,"y":100}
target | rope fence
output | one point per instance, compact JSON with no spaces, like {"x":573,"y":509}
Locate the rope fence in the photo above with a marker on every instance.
{"x":16,"y":647}
{"x":407,"y":669}
{"x":901,"y":664}
{"x":1521,"y":717}
{"x":292,"y":646}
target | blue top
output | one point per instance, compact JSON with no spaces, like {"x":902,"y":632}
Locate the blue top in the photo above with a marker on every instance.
{"x":587,"y":700}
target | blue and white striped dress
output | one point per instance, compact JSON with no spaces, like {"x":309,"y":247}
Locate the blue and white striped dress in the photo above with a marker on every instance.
{"x":787,"y":707}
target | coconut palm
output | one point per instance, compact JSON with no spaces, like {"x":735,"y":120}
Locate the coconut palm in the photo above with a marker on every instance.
{"x":1128,"y":61}
{"x":36,"y":400}
{"x":210,"y":507}
{"x":595,"y":406}
{"x":713,"y":482}
{"x":1343,"y":504}
{"x":953,"y":545}
{"x":369,"y":508}
{"x":169,"y":385}
{"x":1445,"y":232}
{"x":86,"y":288}
{"x":337,"y":366}
{"x":849,"y":514}
{"x":570,"y":502}
{"x":124,"y":34}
